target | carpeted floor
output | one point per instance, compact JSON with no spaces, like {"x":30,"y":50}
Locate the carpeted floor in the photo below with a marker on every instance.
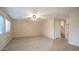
{"x":39,"y":44}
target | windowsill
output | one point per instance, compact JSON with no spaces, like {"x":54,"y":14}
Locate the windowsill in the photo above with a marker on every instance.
{"x":7,"y":32}
{"x":1,"y":33}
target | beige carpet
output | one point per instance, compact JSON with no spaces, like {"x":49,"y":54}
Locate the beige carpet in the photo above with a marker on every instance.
{"x":39,"y":44}
{"x":62,"y":45}
{"x":29,"y":44}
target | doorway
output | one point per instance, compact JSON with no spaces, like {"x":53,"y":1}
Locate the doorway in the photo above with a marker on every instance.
{"x":59,"y":28}
{"x":62,"y":29}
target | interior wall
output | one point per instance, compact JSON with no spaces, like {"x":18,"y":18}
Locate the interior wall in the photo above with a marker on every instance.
{"x":57,"y":28}
{"x":4,"y":37}
{"x":67,"y":30}
{"x":29,"y":28}
{"x":74,"y":28}
{"x":48,"y":28}
{"x":23,"y":28}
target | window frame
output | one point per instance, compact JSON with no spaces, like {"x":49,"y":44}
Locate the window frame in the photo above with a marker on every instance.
{"x":9,"y":29}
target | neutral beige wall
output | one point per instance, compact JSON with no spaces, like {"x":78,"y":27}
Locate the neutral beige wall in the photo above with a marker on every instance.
{"x":5,"y":37}
{"x":25,"y":28}
{"x":67,"y":29}
{"x":48,"y":28}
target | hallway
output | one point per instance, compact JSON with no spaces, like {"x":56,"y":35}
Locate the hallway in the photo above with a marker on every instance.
{"x":39,"y":44}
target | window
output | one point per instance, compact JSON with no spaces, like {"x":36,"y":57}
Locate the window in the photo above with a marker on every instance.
{"x":7,"y":23}
{"x":1,"y":24}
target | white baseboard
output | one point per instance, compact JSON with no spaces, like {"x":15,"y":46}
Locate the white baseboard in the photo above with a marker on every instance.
{"x":26,"y":36}
{"x":73,"y":43}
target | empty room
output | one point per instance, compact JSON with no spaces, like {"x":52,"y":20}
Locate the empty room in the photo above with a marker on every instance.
{"x":39,"y":29}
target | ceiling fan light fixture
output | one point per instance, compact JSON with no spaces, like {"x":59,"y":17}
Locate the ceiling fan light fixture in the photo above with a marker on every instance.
{"x":35,"y":16}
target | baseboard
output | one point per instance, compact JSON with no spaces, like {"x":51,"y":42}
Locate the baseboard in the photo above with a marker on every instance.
{"x":48,"y":37}
{"x":26,"y":36}
{"x":73,"y":43}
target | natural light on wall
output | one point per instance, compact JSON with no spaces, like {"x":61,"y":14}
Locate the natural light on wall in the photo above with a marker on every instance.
{"x":1,"y":24}
{"x":62,"y":23}
{"x":7,"y":23}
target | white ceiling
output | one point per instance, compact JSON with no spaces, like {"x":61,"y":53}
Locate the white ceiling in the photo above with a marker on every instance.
{"x":19,"y":13}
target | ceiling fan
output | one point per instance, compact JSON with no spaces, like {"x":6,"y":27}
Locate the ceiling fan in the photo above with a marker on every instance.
{"x":34,"y":15}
